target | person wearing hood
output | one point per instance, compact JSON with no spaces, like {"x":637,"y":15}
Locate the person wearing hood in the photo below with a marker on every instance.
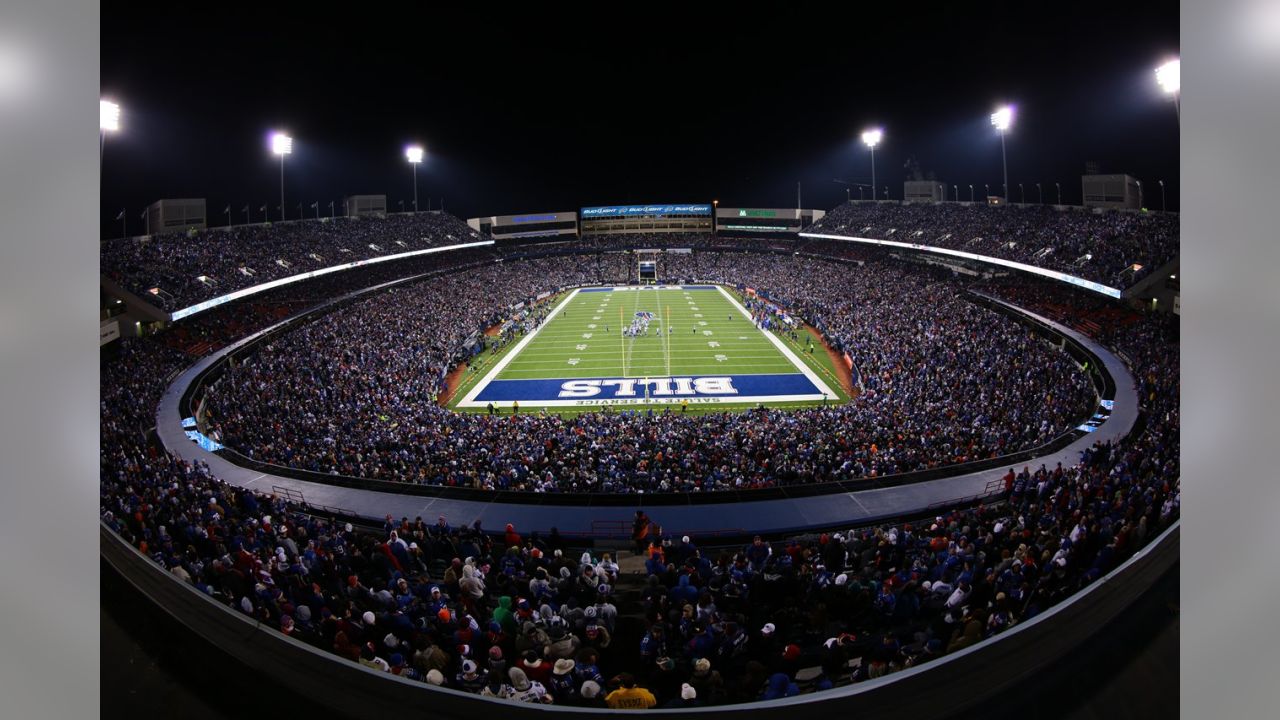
{"x":504,"y":615}
{"x":684,"y":592}
{"x":531,"y":637}
{"x":780,"y":686}
{"x":471,"y":587}
{"x":525,"y":689}
{"x":563,"y":644}
{"x":511,"y":538}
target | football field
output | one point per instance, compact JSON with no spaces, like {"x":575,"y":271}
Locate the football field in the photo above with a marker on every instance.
{"x":650,"y":346}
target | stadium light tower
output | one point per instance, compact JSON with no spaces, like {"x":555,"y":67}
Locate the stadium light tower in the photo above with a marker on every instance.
{"x":1163,"y":207}
{"x":414,"y":154}
{"x":956,"y":189}
{"x":970,"y":193}
{"x":1059,"y":186}
{"x":108,"y":121}
{"x":281,"y":145}
{"x":1002,"y":120}
{"x":1039,"y":194}
{"x":871,"y":138}
{"x":1169,"y":77}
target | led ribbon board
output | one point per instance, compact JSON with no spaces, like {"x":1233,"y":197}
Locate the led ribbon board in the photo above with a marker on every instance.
{"x":1053,"y":274}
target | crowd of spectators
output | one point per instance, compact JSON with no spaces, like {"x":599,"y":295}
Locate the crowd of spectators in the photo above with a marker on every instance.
{"x":942,"y":382}
{"x":1099,"y":246}
{"x":528,"y":619}
{"x":230,"y":259}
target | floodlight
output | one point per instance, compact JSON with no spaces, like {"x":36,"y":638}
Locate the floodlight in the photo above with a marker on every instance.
{"x":281,"y":144}
{"x":1002,"y":119}
{"x":1169,"y":76}
{"x":871,"y":138}
{"x":414,"y":153}
{"x":108,"y":115}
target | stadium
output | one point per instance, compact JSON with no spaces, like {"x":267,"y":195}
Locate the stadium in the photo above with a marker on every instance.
{"x":702,"y":456}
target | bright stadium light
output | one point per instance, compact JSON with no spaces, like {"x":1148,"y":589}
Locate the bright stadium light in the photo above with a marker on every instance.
{"x":281,"y":145}
{"x":871,"y":138}
{"x":414,"y":155}
{"x":1002,"y":120}
{"x":1169,"y":77}
{"x":108,"y":115}
{"x":108,"y":121}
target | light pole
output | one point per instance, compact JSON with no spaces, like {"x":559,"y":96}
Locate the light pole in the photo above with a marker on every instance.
{"x":956,"y":189}
{"x":1022,"y":195}
{"x":848,"y":195}
{"x":1002,"y":119}
{"x":330,"y":209}
{"x":1039,"y":194}
{"x":281,"y":145}
{"x":1169,"y":77}
{"x":860,"y":198}
{"x":1057,"y":185}
{"x":886,"y":192}
{"x":414,"y":154}
{"x":971,"y":193}
{"x":1163,"y":207}
{"x":1139,"y":193}
{"x":871,"y":138}
{"x":986,"y":190}
{"x":227,"y":212}
{"x":108,"y":121}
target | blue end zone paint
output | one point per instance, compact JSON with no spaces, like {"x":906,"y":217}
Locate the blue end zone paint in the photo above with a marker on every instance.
{"x":587,"y":290}
{"x":759,"y":387}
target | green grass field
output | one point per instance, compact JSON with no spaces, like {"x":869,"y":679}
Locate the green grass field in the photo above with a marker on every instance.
{"x":692,"y":332}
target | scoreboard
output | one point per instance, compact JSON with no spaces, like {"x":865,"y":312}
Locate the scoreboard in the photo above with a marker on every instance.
{"x":693,"y":217}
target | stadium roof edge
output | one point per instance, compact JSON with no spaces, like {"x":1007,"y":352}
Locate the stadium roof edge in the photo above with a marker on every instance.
{"x":255,"y":289}
{"x":1051,"y":274}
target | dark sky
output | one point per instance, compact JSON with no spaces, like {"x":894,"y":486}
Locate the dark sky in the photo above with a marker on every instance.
{"x":531,"y":110}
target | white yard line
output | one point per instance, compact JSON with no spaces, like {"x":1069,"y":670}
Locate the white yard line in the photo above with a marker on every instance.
{"x":506,"y":359}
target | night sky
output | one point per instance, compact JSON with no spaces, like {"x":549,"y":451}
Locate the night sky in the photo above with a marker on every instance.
{"x":525,"y":110}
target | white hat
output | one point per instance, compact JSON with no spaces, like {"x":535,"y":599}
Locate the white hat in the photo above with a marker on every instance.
{"x":687,"y":692}
{"x":842,"y":578}
{"x":369,"y":618}
{"x":684,"y":539}
{"x":468,"y":667}
{"x":768,"y":628}
{"x":435,"y":677}
{"x":348,"y":527}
